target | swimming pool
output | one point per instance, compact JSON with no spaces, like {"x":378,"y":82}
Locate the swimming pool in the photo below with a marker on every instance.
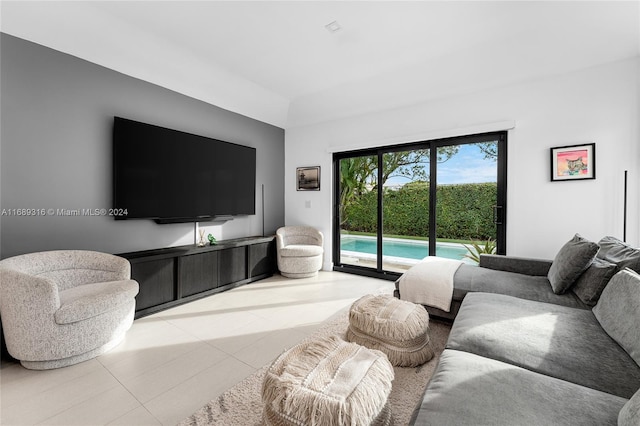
{"x":398,"y":248}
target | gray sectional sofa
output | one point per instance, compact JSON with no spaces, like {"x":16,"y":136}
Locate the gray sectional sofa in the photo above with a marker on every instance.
{"x":529,"y":278}
{"x":533,"y":356}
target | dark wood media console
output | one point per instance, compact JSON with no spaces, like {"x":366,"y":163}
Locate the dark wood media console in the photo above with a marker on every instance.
{"x":172,"y":276}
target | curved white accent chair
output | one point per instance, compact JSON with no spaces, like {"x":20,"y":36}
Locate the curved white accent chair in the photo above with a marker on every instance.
{"x":63,"y":307}
{"x":300,"y":251}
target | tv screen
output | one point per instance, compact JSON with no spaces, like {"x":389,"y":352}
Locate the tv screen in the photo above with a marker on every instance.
{"x":173,"y":176}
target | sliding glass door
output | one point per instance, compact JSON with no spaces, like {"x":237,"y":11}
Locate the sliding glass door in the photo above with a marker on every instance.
{"x":396,"y":205}
{"x":405,"y":213}
{"x":357,"y":203}
{"x":468,"y":206}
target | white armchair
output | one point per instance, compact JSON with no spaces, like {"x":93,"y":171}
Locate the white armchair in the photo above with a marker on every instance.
{"x":62,"y":307}
{"x":300,"y":250}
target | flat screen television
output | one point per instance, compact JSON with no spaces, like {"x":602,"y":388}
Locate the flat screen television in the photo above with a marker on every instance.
{"x":172,"y":176}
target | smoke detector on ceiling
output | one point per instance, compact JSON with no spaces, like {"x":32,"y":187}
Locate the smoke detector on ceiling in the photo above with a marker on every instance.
{"x":333,"y":27}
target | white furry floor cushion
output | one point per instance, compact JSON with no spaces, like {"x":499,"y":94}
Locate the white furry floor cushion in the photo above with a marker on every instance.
{"x":328,"y":382}
{"x":396,"y":327}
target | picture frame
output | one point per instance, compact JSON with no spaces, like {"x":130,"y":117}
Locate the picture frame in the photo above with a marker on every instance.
{"x":573,"y":162}
{"x":308,"y":178}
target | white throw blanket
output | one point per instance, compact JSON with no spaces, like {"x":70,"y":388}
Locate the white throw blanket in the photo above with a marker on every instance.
{"x":430,"y":282}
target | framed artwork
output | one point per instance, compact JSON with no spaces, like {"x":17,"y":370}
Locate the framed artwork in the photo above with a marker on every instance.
{"x":308,"y":178}
{"x":573,"y":162}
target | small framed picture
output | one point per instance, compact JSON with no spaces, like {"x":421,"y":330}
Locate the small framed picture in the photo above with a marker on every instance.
{"x":573,"y":162}
{"x":308,"y":178}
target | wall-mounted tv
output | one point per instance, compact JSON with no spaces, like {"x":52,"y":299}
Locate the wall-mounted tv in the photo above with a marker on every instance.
{"x":172,"y":176}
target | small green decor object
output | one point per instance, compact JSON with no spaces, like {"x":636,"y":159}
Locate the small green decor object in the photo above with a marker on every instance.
{"x":212,"y":239}
{"x":477,"y":249}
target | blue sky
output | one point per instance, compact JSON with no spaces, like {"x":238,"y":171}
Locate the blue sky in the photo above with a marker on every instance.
{"x":467,"y":166}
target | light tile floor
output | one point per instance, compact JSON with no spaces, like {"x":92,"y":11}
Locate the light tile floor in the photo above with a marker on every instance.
{"x":173,"y":362}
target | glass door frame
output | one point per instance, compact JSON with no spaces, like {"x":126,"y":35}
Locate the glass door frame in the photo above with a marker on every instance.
{"x":500,"y":209}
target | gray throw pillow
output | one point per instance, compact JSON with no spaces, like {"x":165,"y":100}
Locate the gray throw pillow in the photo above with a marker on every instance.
{"x":630,"y":413}
{"x":615,"y":251}
{"x":590,"y":284}
{"x":618,"y":311}
{"x":572,"y":260}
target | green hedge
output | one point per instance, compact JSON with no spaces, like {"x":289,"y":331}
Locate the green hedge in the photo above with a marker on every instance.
{"x":463,"y":211}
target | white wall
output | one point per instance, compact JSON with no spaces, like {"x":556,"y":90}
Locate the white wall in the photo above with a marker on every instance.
{"x":595,"y":105}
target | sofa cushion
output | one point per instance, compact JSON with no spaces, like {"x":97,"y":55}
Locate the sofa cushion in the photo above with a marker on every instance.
{"x":519,"y":265}
{"x":620,"y":253}
{"x":301,"y":251}
{"x":630,"y":413}
{"x":618,"y":311}
{"x":571,"y":261}
{"x":470,"y":278}
{"x":467,"y":389}
{"x":557,"y":341}
{"x":590,"y":284}
{"x":90,"y":300}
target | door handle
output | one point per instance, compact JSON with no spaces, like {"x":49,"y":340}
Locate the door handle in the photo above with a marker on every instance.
{"x":497,"y":215}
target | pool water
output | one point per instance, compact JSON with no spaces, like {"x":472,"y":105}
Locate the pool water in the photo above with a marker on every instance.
{"x":399,"y":248}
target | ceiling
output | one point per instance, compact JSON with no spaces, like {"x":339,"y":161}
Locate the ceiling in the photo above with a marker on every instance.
{"x":276,"y":61}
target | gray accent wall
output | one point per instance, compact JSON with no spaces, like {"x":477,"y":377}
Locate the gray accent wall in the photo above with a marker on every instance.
{"x":55,"y":153}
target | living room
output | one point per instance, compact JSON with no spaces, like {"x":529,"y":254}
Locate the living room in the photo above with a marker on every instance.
{"x":558,"y":75}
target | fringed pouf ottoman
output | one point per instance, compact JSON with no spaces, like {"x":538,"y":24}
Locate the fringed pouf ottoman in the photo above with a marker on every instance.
{"x":396,"y":327}
{"x":328,"y":382}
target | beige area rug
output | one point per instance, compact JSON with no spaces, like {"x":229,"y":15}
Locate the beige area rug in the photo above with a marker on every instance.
{"x":242,"y":405}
